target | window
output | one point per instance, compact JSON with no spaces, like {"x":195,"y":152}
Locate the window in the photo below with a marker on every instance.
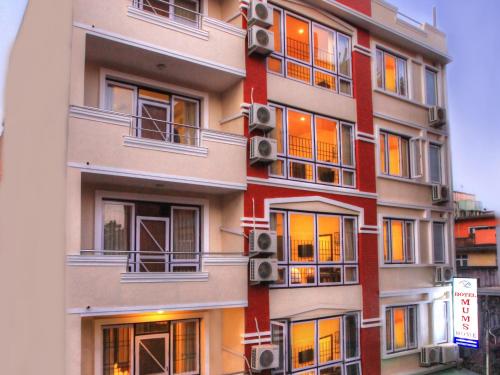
{"x":315,"y":249}
{"x":399,"y":243}
{"x":435,"y":163}
{"x":327,"y":345}
{"x":394,"y":155}
{"x":157,"y":115}
{"x":183,"y":11}
{"x":164,"y":347}
{"x":440,"y":321}
{"x":391,"y":73}
{"x":313,"y":148}
{"x":431,"y":87}
{"x":462,"y":260}
{"x":401,"y":328}
{"x":438,"y":242}
{"x":311,"y":53}
{"x":158,"y":237}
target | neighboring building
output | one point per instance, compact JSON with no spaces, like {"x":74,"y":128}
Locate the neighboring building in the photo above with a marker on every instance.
{"x":475,"y":240}
{"x":136,"y":185}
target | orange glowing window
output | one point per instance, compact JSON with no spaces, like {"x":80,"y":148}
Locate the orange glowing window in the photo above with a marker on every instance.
{"x":329,"y":238}
{"x":301,"y":237}
{"x":398,"y":241}
{"x":298,"y":40}
{"x":394,"y":155}
{"x":391,"y":73}
{"x":324,"y":48}
{"x":275,"y":65}
{"x":300,"y":135}
{"x":383,"y":164}
{"x":303,"y":337}
{"x":276,"y":29}
{"x":401,"y":328}
{"x":329,"y":340}
{"x":327,"y":149}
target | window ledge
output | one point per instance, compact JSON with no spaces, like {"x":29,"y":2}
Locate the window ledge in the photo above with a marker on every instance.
{"x":402,"y":98}
{"x":167,"y":23}
{"x":401,"y":354}
{"x":164,"y":146}
{"x":402,"y":179}
{"x":409,"y":265}
{"x":163,"y":277}
{"x":78,"y":260}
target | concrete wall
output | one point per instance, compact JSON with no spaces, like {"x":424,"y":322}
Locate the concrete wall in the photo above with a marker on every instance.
{"x":32,"y":191}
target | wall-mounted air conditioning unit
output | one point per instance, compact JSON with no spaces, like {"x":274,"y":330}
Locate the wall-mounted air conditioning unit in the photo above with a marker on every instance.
{"x":263,"y":270}
{"x":261,"y":117}
{"x":260,"y":41}
{"x":263,"y":150}
{"x":437,"y":116}
{"x":449,"y":353}
{"x":264,"y":357}
{"x":443,"y":274}
{"x":430,"y":355}
{"x":440,"y":193}
{"x":260,"y":14}
{"x":262,"y":242}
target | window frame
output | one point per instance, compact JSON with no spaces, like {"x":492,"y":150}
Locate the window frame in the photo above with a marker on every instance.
{"x":397,"y":59}
{"x":439,"y":148}
{"x":310,"y":65}
{"x":313,"y":161}
{"x":462,"y":260}
{"x":173,"y":263}
{"x":288,"y":265}
{"x":446,"y":325}
{"x":436,"y":86}
{"x":443,"y":225}
{"x":414,"y":232}
{"x":408,"y":346}
{"x":386,"y":170}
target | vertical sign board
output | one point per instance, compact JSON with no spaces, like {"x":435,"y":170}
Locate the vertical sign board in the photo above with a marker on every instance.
{"x":465,"y":314}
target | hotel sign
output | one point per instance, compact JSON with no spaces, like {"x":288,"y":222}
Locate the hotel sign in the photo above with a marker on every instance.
{"x":465,"y":316}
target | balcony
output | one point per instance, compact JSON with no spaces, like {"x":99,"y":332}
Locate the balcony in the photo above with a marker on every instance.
{"x":191,"y":46}
{"x":481,"y":238}
{"x":149,"y":148}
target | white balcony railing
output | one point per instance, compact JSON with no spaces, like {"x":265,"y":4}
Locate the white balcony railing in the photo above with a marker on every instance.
{"x":167,"y":9}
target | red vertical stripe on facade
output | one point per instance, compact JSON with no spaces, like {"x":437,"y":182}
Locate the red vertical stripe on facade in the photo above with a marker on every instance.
{"x":363,"y":6}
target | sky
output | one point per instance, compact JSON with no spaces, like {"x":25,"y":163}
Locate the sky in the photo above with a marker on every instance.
{"x":473,"y":32}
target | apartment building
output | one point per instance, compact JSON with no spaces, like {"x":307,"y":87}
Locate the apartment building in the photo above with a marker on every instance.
{"x":223,"y":186}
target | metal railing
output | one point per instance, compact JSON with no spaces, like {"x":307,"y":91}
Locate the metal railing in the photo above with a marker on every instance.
{"x":168,"y":9}
{"x":162,"y":130}
{"x":161,"y":261}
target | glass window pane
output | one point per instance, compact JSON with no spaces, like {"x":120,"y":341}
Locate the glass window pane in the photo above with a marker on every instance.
{"x":153,"y":122}
{"x":116,"y":350}
{"x":348,"y":178}
{"x":275,"y":64}
{"x":324,"y":48}
{"x":276,"y":29}
{"x":117,"y":221}
{"x":185,"y":346}
{"x":184,"y":236}
{"x":405,"y":165}
{"x":333,"y":370}
{"x":327,"y":149}
{"x":440,"y":321}
{"x":278,"y":132}
{"x":402,"y":77}
{"x":394,"y":155}
{"x":302,"y":345}
{"x":301,"y":171}
{"x":277,"y":168}
{"x":435,"y":163}
{"x":345,"y":87}
{"x":412,"y":327}
{"x":298,"y":71}
{"x":185,"y":113}
{"x":325,"y":80}
{"x":301,"y":237}
{"x":430,"y":87}
{"x":387,"y":253}
{"x":380,"y":69}
{"x":344,"y":55}
{"x":349,"y":240}
{"x":299,"y":135}
{"x":382,"y":141}
{"x":351,"y":336}
{"x":297,"y":38}
{"x":154,"y":95}
{"x":399,"y":327}
{"x":390,"y":73}
{"x":120,"y":99}
{"x":388,"y":330}
{"x":329,"y":238}
{"x":277,"y":224}
{"x":151,"y":327}
{"x":278,"y":332}
{"x":347,"y":145}
{"x":353,"y":369}
{"x":397,"y":241}
{"x":329,"y":340}
{"x":330,"y":275}
{"x":351,"y":274}
{"x":157,"y":7}
{"x":438,"y":242}
{"x":186,"y":11}
{"x":302,"y":275}
{"x":328,"y":175}
{"x":409,"y":243}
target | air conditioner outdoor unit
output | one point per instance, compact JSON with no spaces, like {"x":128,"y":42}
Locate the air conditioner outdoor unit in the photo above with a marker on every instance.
{"x":263,"y":270}
{"x":260,"y":41}
{"x":263,"y":150}
{"x":444,"y":274}
{"x":449,"y":353}
{"x":440,"y":193}
{"x":437,"y":116}
{"x":260,"y":14}
{"x":264,"y":357}
{"x":430,"y":355}
{"x":263,"y":242}
{"x":261,"y":117}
